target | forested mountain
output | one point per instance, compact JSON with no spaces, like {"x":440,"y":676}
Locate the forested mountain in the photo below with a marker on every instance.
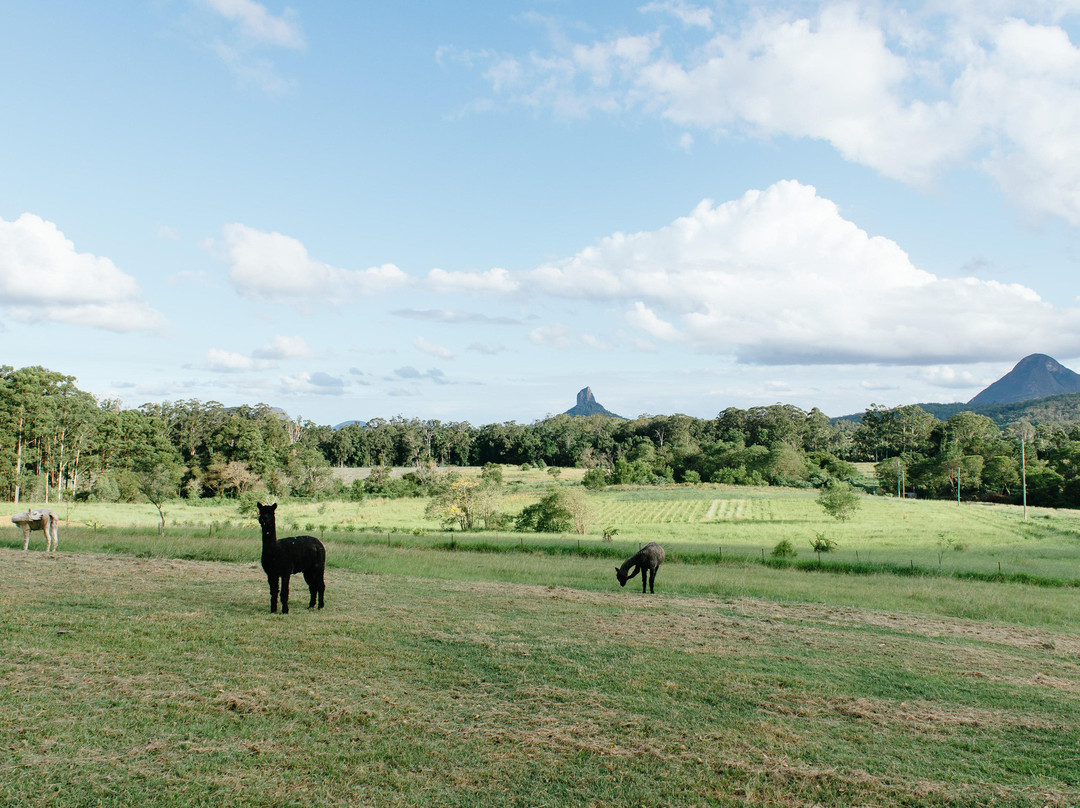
{"x":1060,"y":411}
{"x":1038,"y":390}
{"x":59,"y":441}
{"x":1035,"y":376}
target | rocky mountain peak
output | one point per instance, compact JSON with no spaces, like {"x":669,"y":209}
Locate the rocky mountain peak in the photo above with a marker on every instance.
{"x":588,"y":405}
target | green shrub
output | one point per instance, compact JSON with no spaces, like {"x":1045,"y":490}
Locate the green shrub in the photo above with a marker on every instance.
{"x":595,"y":479}
{"x":784,"y":549}
{"x":105,"y":489}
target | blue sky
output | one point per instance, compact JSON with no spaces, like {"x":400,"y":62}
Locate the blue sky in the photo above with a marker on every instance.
{"x":472,"y":211}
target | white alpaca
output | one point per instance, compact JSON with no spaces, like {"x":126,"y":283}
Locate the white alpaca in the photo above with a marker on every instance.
{"x":42,"y":519}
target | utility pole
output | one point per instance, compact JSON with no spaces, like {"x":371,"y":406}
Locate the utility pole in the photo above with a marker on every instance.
{"x":1023,"y":468}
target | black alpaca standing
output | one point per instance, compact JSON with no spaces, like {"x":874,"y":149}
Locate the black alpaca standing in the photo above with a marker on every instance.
{"x":646,"y":561}
{"x":282,"y":557}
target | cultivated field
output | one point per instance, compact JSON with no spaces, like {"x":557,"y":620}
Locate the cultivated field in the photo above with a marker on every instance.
{"x":136,"y":670}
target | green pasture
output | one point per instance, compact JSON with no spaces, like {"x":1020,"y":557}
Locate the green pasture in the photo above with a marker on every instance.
{"x":729,"y":523}
{"x":476,"y":669}
{"x":437,"y":678}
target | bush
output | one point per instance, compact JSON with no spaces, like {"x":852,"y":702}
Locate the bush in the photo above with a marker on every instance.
{"x":104,"y":489}
{"x":248,"y":503}
{"x":839,"y":500}
{"x":595,"y":479}
{"x":559,"y":511}
{"x":492,"y":474}
{"x":822,"y":544}
{"x":784,"y":549}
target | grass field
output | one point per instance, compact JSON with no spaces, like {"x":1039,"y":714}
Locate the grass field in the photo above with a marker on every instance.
{"x":939,"y":537}
{"x":139,"y":670}
{"x":158,"y":682}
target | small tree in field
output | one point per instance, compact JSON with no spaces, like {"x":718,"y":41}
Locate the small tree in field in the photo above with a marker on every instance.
{"x":839,"y":500}
{"x":160,"y":485}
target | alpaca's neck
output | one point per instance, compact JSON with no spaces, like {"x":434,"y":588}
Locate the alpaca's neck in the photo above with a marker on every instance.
{"x":269,"y":535}
{"x":632,"y":561}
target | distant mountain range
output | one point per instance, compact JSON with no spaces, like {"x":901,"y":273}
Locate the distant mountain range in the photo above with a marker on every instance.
{"x":588,"y":405}
{"x":1038,"y":389}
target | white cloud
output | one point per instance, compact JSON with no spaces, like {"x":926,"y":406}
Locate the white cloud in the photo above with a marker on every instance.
{"x":949,"y":377}
{"x":780,"y":277}
{"x":593,"y":341}
{"x":412,"y":374}
{"x":485,"y":349}
{"x":42,"y":277}
{"x":687,"y":13}
{"x":910,"y":91}
{"x":243,"y":34}
{"x":555,"y":335}
{"x":318,"y":383}
{"x":494,"y":281}
{"x":220,"y":361}
{"x":644,"y":319}
{"x":284,"y":348}
{"x":255,"y":23}
{"x":432,"y":349}
{"x":273,"y":266}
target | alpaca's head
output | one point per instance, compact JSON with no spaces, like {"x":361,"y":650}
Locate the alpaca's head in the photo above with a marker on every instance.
{"x":622,"y":576}
{"x":266,"y":514}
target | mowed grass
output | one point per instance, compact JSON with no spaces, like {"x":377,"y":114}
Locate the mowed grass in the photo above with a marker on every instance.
{"x":469,"y":679}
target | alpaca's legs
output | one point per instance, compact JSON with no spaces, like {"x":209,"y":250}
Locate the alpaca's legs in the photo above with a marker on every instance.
{"x":652,"y":580}
{"x":273,"y":581}
{"x":26,"y":537}
{"x":52,"y":538}
{"x":284,"y":594}
{"x":314,"y":579}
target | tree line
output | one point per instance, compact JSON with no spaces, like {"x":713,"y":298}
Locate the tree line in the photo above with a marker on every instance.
{"x":57,"y":441}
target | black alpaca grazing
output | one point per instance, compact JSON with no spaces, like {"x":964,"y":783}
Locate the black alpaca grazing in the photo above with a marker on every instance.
{"x":646,"y":561}
{"x":282,"y":557}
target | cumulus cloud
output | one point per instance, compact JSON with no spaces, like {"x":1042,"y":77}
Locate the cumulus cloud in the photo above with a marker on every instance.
{"x":276,"y":267}
{"x":318,"y":383}
{"x":220,"y":361}
{"x":43,"y":277}
{"x":909,"y":91}
{"x":643,"y":319}
{"x":431,"y":348}
{"x":779,"y":276}
{"x":284,"y":348}
{"x":495,"y":281}
{"x":279,"y":348}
